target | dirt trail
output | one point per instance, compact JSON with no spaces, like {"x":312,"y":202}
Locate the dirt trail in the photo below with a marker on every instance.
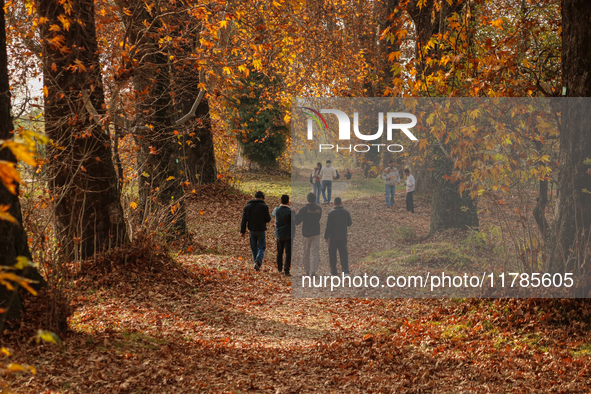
{"x":218,"y":326}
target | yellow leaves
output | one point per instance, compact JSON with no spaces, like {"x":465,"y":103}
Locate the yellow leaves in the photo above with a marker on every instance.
{"x":223,"y":24}
{"x":8,"y":278}
{"x":423,"y":144}
{"x":23,"y":262}
{"x":242,"y":68}
{"x":6,"y":352}
{"x":287,"y":118}
{"x":5,"y":215}
{"x":170,"y":178}
{"x":9,"y":175}
{"x":228,"y":70}
{"x":47,"y":336}
{"x":64,"y":21}
{"x":20,"y":368}
{"x":77,"y":66}
{"x":475,"y":113}
{"x":393,"y":56}
{"x":133,"y":205}
{"x":498,"y":23}
{"x":22,"y":152}
{"x":257,"y":64}
{"x":55,"y":28}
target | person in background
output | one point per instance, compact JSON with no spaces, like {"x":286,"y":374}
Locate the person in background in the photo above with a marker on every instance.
{"x":284,"y":232}
{"x":309,"y":215}
{"x":317,"y":181}
{"x":410,"y":188}
{"x":347,"y":174}
{"x":255,"y":217}
{"x":336,"y":236}
{"x":391,"y":176}
{"x":328,"y":173}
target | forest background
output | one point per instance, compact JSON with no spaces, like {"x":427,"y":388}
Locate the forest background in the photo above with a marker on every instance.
{"x":156,"y":121}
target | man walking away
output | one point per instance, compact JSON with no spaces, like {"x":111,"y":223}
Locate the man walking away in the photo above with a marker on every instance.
{"x":336,"y":236}
{"x":284,"y":231}
{"x":309,"y":216}
{"x":327,"y":174}
{"x":392,"y":177}
{"x":410,"y":188}
{"x":255,"y":217}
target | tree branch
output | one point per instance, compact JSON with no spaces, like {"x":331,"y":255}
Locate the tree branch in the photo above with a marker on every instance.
{"x":191,"y":113}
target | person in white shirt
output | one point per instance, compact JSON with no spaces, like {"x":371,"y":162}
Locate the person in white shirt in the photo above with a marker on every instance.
{"x":410,"y":188}
{"x":392,"y":177}
{"x":327,"y":174}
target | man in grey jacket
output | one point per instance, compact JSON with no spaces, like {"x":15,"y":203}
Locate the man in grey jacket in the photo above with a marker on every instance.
{"x":336,"y":236}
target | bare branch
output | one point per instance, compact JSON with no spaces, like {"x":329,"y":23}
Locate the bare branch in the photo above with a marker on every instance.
{"x":191,"y":113}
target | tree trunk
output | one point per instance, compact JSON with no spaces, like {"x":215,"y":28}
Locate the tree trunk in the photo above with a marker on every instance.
{"x":83,"y":182}
{"x":449,"y":209}
{"x":162,"y":205}
{"x":197,"y":157}
{"x":13,"y":238}
{"x":574,"y":205}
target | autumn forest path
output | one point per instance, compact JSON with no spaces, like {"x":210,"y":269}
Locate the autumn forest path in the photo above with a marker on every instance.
{"x":212,"y":324}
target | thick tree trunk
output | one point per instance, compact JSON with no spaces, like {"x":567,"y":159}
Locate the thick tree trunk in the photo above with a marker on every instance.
{"x":449,"y":209}
{"x":83,"y":182}
{"x":574,"y":205}
{"x":13,"y":238}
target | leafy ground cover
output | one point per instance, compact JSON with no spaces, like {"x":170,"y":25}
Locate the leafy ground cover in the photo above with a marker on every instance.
{"x":205,"y":321}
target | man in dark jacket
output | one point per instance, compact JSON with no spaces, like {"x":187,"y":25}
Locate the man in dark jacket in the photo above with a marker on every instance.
{"x":284,"y":232}
{"x":336,"y":236}
{"x":310,"y":215}
{"x":255,"y":216}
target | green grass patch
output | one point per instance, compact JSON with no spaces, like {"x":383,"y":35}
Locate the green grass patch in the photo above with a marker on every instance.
{"x":583,"y":351}
{"x":271,"y":185}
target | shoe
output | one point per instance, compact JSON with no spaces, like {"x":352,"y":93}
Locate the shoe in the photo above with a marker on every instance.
{"x":287,"y":274}
{"x":257,"y":265}
{"x":307,"y":273}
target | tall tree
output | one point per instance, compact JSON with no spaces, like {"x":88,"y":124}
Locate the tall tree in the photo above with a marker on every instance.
{"x":89,"y":217}
{"x":160,"y":190}
{"x":573,"y":225}
{"x":13,"y":238}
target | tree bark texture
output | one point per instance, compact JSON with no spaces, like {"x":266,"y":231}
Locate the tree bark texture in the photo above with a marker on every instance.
{"x":13,"y":238}
{"x":448,"y":208}
{"x":574,"y":203}
{"x":83,"y":182}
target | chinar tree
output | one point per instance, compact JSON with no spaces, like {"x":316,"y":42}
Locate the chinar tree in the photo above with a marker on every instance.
{"x":83,"y":181}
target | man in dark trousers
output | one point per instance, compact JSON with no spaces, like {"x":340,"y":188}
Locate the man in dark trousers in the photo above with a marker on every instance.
{"x":310,"y":215}
{"x":336,"y":236}
{"x":284,"y":232}
{"x":255,"y":216}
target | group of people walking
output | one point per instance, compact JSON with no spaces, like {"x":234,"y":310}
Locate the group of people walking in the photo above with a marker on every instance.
{"x":255,"y":217}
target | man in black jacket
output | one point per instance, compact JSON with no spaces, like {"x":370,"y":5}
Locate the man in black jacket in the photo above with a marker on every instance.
{"x":284,"y":232}
{"x":336,"y":236}
{"x":310,"y":215}
{"x":255,"y":216}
